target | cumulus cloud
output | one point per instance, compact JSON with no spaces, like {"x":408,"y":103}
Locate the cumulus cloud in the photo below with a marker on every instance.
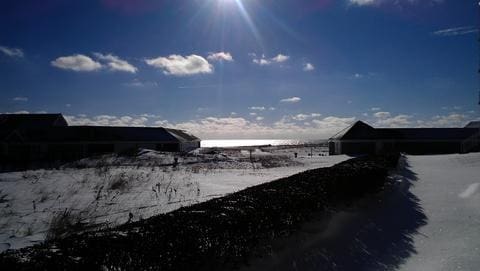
{"x":220,"y":56}
{"x":238,"y":127}
{"x":302,"y":126}
{"x":115,"y":63}
{"x":398,"y":121}
{"x":263,"y":61}
{"x":107,"y":120}
{"x":20,"y":99}
{"x":308,"y":67}
{"x":291,"y":100}
{"x":78,"y":63}
{"x":12,"y":52}
{"x":181,"y":66}
{"x":456,"y":31}
{"x":450,"y":120}
{"x":259,"y":108}
{"x":228,"y":127}
{"x":280,"y":58}
{"x":382,"y":115}
{"x":302,"y":117}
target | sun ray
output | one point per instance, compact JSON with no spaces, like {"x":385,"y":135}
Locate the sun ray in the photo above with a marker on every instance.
{"x":249,"y":22}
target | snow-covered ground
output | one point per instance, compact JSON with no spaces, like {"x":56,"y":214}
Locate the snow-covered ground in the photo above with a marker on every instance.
{"x":108,"y":190}
{"x":448,"y":188}
{"x":428,"y":219}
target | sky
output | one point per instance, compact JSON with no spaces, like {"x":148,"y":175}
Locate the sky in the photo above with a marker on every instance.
{"x":256,"y":69}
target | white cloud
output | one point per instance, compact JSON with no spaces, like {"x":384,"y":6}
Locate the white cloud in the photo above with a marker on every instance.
{"x":220,"y":56}
{"x":302,"y":117}
{"x":308,"y":67}
{"x":238,"y":127}
{"x":258,"y":108}
{"x":252,"y":114}
{"x":333,"y":123}
{"x":12,"y":52}
{"x":107,"y":120}
{"x":398,"y":121}
{"x":162,"y":123}
{"x":271,"y":108}
{"x":375,"y":109}
{"x":135,"y":83}
{"x":456,"y":31}
{"x":280,"y":58}
{"x":20,"y":99}
{"x":364,"y":2}
{"x":115,"y":63}
{"x":291,"y":100}
{"x":451,"y":120}
{"x":382,"y":115}
{"x":263,"y":61}
{"x":78,"y":62}
{"x":181,"y":66}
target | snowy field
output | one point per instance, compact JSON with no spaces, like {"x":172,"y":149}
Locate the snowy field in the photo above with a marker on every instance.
{"x":109,"y":191}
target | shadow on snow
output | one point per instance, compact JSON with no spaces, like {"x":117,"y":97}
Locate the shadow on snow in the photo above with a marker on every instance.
{"x":375,"y":235}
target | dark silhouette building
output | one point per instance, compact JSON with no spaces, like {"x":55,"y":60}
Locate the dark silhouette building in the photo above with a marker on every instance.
{"x":361,"y":138}
{"x":31,"y":137}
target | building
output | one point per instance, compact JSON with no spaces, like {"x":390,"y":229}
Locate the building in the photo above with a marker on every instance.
{"x":361,"y":138}
{"x":32,"y":137}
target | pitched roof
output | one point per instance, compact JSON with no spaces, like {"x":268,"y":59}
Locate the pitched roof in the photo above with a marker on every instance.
{"x":99,"y":134}
{"x":182,"y":135}
{"x":29,"y":121}
{"x":362,"y":131}
{"x":473,"y":124}
{"x":54,"y":128}
{"x":358,"y":130}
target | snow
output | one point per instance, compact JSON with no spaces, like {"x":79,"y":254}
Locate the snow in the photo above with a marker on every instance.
{"x":427,"y":219}
{"x":447,"y":187}
{"x":108,"y":190}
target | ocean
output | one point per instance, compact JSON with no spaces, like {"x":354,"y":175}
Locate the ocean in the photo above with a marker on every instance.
{"x":255,"y":142}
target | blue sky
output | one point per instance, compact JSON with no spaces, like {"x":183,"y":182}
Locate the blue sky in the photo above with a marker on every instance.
{"x":242,"y":68}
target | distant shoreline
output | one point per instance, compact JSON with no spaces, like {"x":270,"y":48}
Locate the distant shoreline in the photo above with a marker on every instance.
{"x":223,"y":143}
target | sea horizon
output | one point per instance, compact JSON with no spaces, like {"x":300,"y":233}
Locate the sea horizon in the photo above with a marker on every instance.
{"x":211,"y":143}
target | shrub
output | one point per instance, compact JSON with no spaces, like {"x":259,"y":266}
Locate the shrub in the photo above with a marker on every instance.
{"x":64,"y":224}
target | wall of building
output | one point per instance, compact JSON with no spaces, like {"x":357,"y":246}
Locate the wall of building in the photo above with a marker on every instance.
{"x":352,"y":147}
